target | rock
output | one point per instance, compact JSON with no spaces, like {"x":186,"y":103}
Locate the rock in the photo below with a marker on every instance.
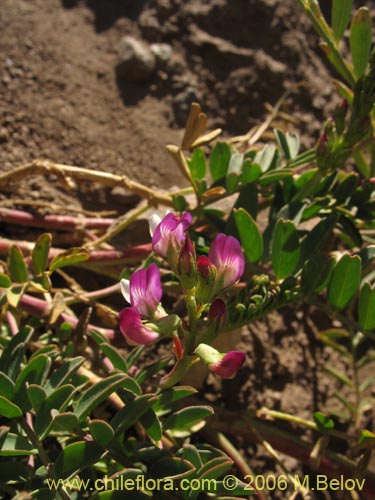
{"x":162,"y":52}
{"x":137,"y":62}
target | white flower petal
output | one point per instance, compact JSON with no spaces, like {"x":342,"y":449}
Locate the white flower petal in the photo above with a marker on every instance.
{"x":125,"y":289}
{"x":154,"y":221}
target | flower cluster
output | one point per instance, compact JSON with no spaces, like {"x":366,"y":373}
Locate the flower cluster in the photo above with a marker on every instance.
{"x":203,"y":280}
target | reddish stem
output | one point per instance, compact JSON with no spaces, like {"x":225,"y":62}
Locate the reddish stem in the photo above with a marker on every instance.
{"x":40,"y":308}
{"x":58,"y":222}
{"x":104,"y":256}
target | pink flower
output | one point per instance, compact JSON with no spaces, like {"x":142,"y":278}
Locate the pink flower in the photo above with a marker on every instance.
{"x":217,"y":315}
{"x":226,"y":254}
{"x":143,"y":291}
{"x":224,"y":365}
{"x":229,"y":364}
{"x":169,"y":236}
{"x":133,"y":329}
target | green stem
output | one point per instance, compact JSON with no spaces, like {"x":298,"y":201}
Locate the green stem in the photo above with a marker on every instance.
{"x":191,"y":332}
{"x":273,"y":414}
{"x":47,"y":462}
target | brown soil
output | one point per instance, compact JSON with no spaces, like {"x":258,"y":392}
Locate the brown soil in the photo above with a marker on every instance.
{"x":62,"y":99}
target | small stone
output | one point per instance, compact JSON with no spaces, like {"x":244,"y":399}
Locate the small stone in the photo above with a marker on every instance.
{"x":137,"y":60}
{"x":162,"y":52}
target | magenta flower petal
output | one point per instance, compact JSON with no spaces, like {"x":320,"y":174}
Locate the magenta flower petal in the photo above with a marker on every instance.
{"x":133,"y":329}
{"x":226,"y":254}
{"x":228,"y":366}
{"x":146,"y":291}
{"x":170,"y":233}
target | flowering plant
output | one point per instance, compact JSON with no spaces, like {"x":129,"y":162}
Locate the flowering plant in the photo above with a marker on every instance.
{"x":88,"y":399}
{"x":202,"y":280}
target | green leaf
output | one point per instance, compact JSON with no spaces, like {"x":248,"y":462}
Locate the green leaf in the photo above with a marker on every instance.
{"x":344,"y":281}
{"x":285,"y":249}
{"x":251,"y":239}
{"x":101,"y":431}
{"x":152,"y":425}
{"x":275,"y":175}
{"x":9,"y":409}
{"x":366,"y":307}
{"x":191,"y":453}
{"x":367,"y":438}
{"x":68,"y":258}
{"x":316,"y":273}
{"x":168,"y":397}
{"x":250,"y":172}
{"x":40,"y":253}
{"x":197,"y":164}
{"x":341,"y":11}
{"x":131,"y":413}
{"x":14,"y":472}
{"x":317,"y":238}
{"x":95,"y":395}
{"x":77,"y":457}
{"x":37,"y":395}
{"x":15,"y":445}
{"x":187,"y":417}
{"x":11,"y":358}
{"x":234,"y":172}
{"x":341,"y":377}
{"x":323,"y":422}
{"x":44,"y":494}
{"x":64,"y":423}
{"x":5,"y":281}
{"x":58,"y":400}
{"x":35,"y":372}
{"x":171,"y":467}
{"x":266,"y":157}
{"x":219,"y":160}
{"x":115,"y":357}
{"x":360,"y":40}
{"x":288,"y":143}
{"x":63,"y":374}
{"x":7,"y":386}
{"x":16,"y":265}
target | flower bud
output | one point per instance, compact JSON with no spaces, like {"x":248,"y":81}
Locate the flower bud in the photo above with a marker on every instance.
{"x":206,"y":280}
{"x":224,"y":365}
{"x":217,"y":315}
{"x":186,"y":267}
